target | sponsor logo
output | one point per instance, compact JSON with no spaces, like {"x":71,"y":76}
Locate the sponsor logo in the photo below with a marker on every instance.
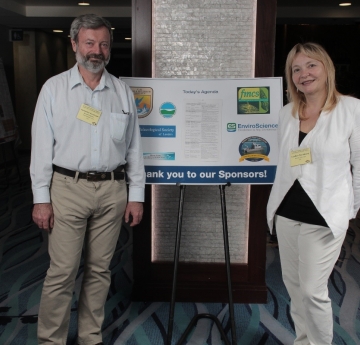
{"x":253,"y":100}
{"x":254,"y":149}
{"x":259,"y":126}
{"x":231,"y":127}
{"x":163,"y":156}
{"x":167,"y":110}
{"x":143,"y":99}
{"x":158,"y":131}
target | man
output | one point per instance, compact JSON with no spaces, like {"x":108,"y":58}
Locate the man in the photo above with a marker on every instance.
{"x":85,"y":130}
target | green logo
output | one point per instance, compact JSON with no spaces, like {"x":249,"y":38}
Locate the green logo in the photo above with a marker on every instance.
{"x":253,"y":100}
{"x":231,"y":127}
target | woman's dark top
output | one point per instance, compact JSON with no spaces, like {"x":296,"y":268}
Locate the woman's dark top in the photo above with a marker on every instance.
{"x":297,"y":205}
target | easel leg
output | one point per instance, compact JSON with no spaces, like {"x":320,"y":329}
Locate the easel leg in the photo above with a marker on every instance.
{"x":227,"y":261}
{"x":176,"y":262}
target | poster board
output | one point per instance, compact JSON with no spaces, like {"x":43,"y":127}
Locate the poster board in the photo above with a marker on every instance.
{"x":208,"y":131}
{"x":8,"y":130}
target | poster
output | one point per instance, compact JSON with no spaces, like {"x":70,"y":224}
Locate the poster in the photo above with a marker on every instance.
{"x":208,"y":131}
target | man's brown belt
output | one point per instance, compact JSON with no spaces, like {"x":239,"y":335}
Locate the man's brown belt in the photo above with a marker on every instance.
{"x":93,"y":176}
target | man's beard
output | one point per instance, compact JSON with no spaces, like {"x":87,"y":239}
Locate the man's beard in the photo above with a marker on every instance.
{"x":92,"y":66}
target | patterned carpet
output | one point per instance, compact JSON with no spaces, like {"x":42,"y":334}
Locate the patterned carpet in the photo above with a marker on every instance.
{"x":24,"y":261}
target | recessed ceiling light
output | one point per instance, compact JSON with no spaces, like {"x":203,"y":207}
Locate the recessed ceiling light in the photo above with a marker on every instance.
{"x":58,"y":31}
{"x":345,"y":4}
{"x":112,"y":28}
{"x":128,"y":38}
{"x":84,"y":3}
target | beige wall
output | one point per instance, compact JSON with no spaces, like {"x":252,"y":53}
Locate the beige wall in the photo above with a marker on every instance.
{"x":25,"y":85}
{"x":6,"y":54}
{"x":51,"y":56}
{"x":70,"y":56}
{"x":38,"y":57}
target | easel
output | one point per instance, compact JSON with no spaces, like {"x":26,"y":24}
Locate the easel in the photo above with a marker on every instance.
{"x":196,"y":318}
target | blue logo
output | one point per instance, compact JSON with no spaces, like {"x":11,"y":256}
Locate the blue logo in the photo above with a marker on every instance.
{"x":167,"y":110}
{"x":165,"y":156}
{"x":158,"y":131}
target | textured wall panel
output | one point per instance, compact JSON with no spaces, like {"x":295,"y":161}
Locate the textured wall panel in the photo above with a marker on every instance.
{"x":202,"y":39}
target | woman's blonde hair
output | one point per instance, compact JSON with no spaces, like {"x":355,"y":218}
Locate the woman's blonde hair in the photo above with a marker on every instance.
{"x":316,"y":52}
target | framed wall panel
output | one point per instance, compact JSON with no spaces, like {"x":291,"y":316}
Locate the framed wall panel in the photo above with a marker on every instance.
{"x":203,"y":282}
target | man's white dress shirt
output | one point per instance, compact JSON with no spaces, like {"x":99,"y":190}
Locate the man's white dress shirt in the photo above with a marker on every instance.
{"x":60,"y":138}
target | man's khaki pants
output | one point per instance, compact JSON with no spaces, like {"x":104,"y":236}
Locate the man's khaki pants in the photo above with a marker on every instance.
{"x":88,"y":215}
{"x":308,"y":254}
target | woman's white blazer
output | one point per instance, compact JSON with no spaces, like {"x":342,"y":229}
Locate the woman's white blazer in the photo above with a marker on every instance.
{"x":332,"y":179}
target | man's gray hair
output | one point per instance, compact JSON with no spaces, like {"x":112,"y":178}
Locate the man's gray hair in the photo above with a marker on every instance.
{"x":89,"y":21}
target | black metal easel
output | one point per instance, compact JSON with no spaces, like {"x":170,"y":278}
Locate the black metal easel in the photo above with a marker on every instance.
{"x":196,"y":318}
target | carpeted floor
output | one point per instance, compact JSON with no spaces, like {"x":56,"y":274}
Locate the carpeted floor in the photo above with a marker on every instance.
{"x":24,"y":261}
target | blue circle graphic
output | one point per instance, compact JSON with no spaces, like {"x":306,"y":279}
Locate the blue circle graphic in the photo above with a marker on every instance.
{"x":167,"y":109}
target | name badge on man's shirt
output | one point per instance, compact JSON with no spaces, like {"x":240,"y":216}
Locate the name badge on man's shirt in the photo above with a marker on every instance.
{"x":300,"y":156}
{"x":89,"y":114}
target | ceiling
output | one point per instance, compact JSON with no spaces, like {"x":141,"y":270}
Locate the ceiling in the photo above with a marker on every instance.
{"x":48,"y":14}
{"x":317,"y":12}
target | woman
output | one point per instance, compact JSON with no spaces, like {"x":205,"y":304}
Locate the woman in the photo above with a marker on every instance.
{"x":317,"y":186}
